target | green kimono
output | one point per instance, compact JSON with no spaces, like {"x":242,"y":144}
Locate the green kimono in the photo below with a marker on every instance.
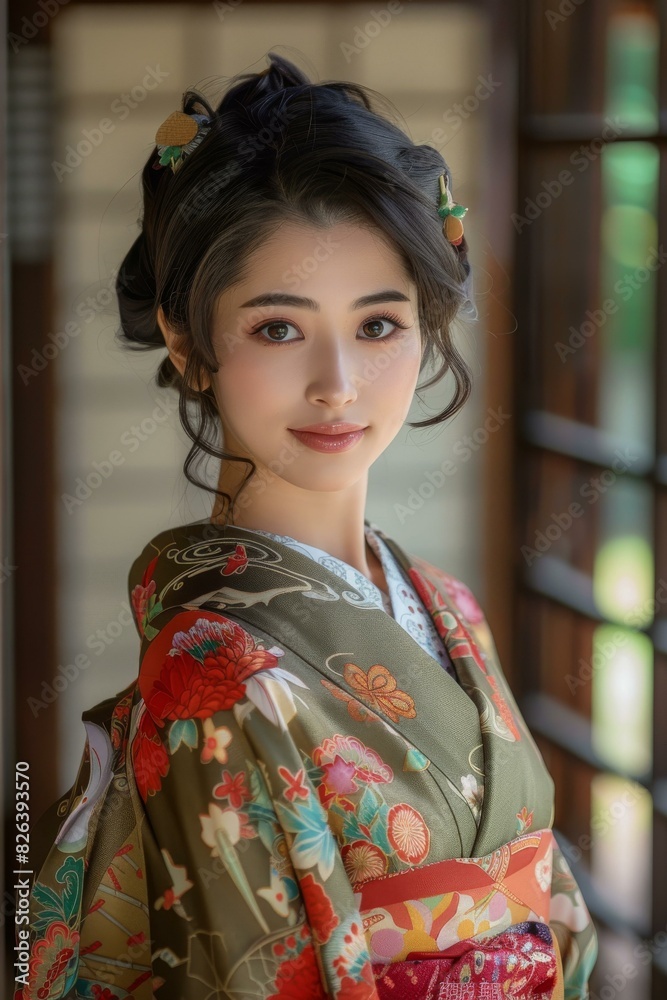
{"x":295,"y":799}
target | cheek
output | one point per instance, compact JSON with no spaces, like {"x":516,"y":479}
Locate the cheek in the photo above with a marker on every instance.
{"x":249,"y":389}
{"x":394,"y":373}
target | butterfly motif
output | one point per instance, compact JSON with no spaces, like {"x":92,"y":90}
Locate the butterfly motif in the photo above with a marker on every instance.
{"x":378,"y":689}
{"x":356,"y":709}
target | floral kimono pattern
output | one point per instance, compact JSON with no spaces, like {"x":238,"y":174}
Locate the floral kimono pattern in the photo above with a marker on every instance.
{"x":300,"y":797}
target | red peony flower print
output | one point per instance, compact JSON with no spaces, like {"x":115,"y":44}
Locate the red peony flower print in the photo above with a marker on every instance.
{"x":352,"y":990}
{"x":298,"y":978}
{"x":408,"y":834}
{"x":363,"y":986}
{"x":204,"y":671}
{"x":187,"y":689}
{"x":150,"y":760}
{"x":361,"y":989}
{"x":49,"y":961}
{"x":321,"y":916}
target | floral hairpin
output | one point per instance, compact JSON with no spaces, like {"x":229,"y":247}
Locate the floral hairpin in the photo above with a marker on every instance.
{"x":177,"y":136}
{"x":452,"y":213}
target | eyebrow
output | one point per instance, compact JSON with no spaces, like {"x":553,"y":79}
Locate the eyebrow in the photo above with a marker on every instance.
{"x":285,"y":299}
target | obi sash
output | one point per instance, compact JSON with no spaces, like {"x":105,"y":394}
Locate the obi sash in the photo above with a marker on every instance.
{"x":467,"y":927}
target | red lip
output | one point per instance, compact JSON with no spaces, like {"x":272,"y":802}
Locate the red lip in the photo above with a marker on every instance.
{"x":337,"y":428}
{"x":330,"y":442}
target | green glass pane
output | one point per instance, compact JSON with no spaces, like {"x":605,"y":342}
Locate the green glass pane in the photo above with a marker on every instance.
{"x":621,"y":712}
{"x":623,"y":579}
{"x":621,"y":846}
{"x":632,"y":68}
{"x":630,"y":257}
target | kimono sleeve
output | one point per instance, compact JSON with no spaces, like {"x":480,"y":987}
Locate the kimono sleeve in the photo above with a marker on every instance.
{"x":570,"y":919}
{"x":252,"y":890}
{"x":573,"y":927}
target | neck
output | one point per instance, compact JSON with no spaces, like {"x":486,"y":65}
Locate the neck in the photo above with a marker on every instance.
{"x":329,"y":520}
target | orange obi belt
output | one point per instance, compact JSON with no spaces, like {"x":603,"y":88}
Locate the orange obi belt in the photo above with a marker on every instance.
{"x":488,"y":937}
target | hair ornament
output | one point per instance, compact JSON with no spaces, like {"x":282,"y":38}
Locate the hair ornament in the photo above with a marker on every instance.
{"x":452,"y":213}
{"x":178,"y":136}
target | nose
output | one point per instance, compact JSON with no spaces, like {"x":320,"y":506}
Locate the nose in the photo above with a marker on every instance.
{"x":334,"y":379}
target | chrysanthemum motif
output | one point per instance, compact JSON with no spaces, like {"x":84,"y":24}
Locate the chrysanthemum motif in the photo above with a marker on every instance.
{"x":364,"y":861}
{"x":408,"y":833}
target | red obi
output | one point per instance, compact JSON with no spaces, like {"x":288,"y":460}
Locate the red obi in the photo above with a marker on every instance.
{"x":489,"y":937}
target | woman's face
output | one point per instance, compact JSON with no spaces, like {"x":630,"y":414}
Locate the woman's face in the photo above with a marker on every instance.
{"x":291,"y":364}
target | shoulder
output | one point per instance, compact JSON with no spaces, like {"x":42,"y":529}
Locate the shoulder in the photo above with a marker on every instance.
{"x":457,"y":591}
{"x":144,"y":563}
{"x":141,"y":584}
{"x":154,"y":565}
{"x":201,"y":662}
{"x":445,"y":593}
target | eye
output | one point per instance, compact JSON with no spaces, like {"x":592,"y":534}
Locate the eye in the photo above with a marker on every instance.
{"x":376,"y":321}
{"x":280,"y":325}
{"x":280,"y":328}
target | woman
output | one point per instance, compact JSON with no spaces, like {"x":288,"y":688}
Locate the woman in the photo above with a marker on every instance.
{"x":320,"y":784}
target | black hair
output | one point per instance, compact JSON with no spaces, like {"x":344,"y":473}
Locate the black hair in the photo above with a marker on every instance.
{"x":282,"y":148}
